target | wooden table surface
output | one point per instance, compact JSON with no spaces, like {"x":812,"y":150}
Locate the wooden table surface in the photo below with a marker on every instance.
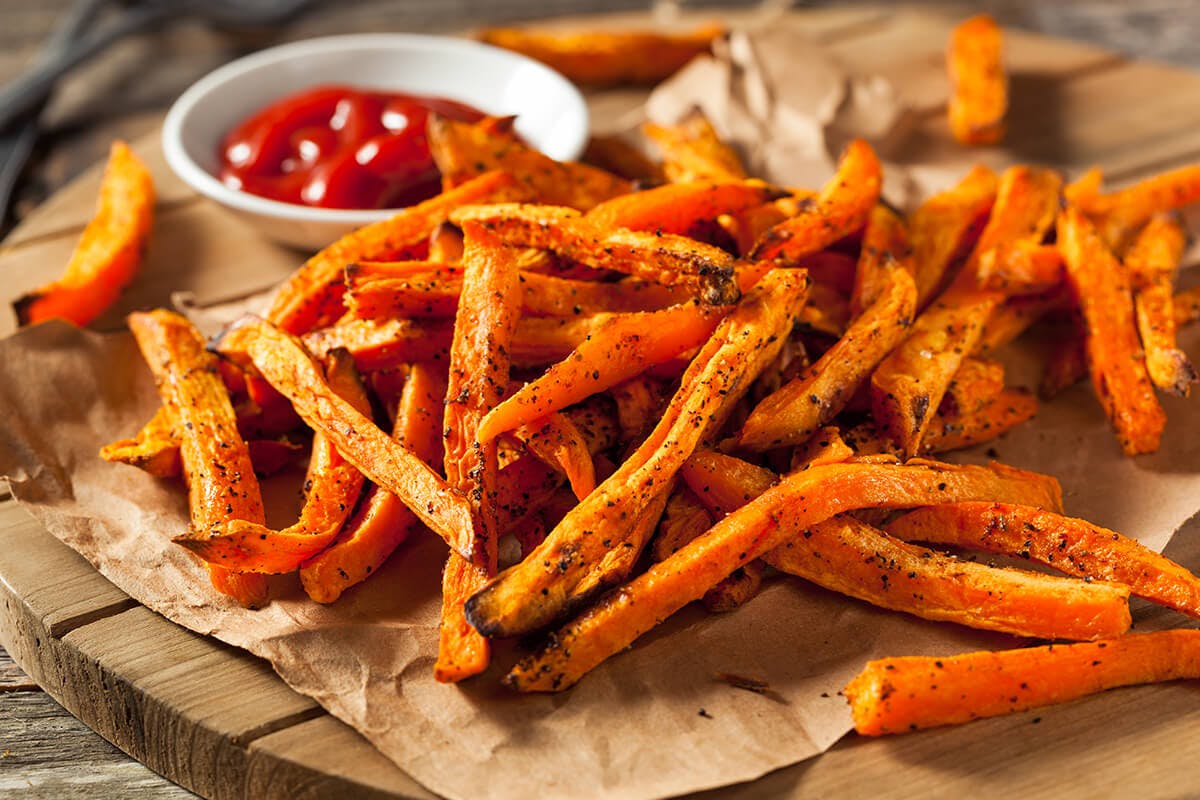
{"x":124,"y":92}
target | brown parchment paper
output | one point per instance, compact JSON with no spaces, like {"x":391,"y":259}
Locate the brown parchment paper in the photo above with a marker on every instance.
{"x":651,"y":722}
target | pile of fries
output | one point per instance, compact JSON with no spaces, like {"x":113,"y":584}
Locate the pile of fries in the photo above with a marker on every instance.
{"x":612,"y":402}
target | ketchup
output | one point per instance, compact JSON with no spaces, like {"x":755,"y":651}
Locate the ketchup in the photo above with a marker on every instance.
{"x":339,"y":147}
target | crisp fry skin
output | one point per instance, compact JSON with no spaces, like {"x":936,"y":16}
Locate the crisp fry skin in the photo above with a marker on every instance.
{"x":784,"y":511}
{"x":1121,"y":214}
{"x":216,"y":462}
{"x":572,"y":563}
{"x":620,"y":349}
{"x":1016,"y":315}
{"x":607,"y":58}
{"x":479,"y":367}
{"x":979,"y":101}
{"x":692,"y":151}
{"x":374,"y":345}
{"x":557,"y":441}
{"x":383,"y":522}
{"x":109,"y":251}
{"x":954,"y":431}
{"x":885,"y":241}
{"x":1073,"y":546}
{"x":312,"y":297}
{"x":941,"y":227}
{"x":464,"y":150}
{"x":1152,"y":261}
{"x":841,"y":208}
{"x":791,"y":414}
{"x":154,"y":449}
{"x":285,"y":363}
{"x":1021,"y":267}
{"x":1118,"y":372}
{"x":332,"y":487}
{"x":668,"y":259}
{"x":684,"y":209}
{"x":896,"y":695}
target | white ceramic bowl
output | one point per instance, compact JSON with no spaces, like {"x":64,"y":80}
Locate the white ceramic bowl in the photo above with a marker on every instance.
{"x":551,"y":113}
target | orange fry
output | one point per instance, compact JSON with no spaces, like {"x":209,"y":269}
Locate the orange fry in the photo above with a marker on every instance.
{"x":692,"y":151}
{"x":1113,"y":351}
{"x":885,"y":241}
{"x":685,"y":209}
{"x":154,"y":449}
{"x":108,"y":253}
{"x":941,"y":228}
{"x":1121,"y":214}
{"x":1020,"y":267}
{"x":216,"y":462}
{"x":614,"y":153}
{"x":953,"y":431}
{"x":557,"y":441}
{"x":979,"y":100}
{"x":897,"y":695}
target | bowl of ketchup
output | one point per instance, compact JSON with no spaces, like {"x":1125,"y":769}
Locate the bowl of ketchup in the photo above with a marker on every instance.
{"x":310,"y":140}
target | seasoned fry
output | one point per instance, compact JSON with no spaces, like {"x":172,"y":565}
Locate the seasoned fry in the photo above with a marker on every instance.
{"x":479,"y":367}
{"x":557,"y":441}
{"x":941,"y":228}
{"x":571,"y":564}
{"x":216,"y":462}
{"x":154,"y":449}
{"x":681,"y":208}
{"x":376,"y":345}
{"x":620,"y":349}
{"x":667,"y":259}
{"x":332,"y":487}
{"x":1152,"y":261}
{"x":783,"y":512}
{"x":614,"y":153}
{"x":692,"y":151}
{"x":841,"y":208}
{"x":1020,"y":267}
{"x":312,"y":297}
{"x":1187,"y":306}
{"x":1066,"y":364}
{"x":638,"y":402}
{"x":608,"y":58}
{"x":885,"y":241}
{"x":977,"y":383}
{"x":1121,"y":214}
{"x":283,"y":361}
{"x":896,"y":695}
{"x":1118,"y":373}
{"x":1016,"y":315}
{"x":826,"y":446}
{"x":382,"y":522}
{"x":979,"y":100}
{"x":463,"y":151}
{"x":108,"y":253}
{"x":953,"y":431}
{"x":790,"y":415}
{"x":1072,"y":546}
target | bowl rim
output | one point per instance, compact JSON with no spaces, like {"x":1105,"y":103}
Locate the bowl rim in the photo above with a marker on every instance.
{"x":208,"y":185}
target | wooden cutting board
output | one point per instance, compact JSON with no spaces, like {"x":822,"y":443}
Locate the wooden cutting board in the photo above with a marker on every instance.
{"x":219,"y":722}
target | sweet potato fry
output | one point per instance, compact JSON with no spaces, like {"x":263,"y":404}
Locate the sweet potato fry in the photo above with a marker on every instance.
{"x":667,"y":259}
{"x":479,"y":367}
{"x":1066,"y":364}
{"x":1084,"y":190}
{"x":1152,"y":261}
{"x":790,"y":415}
{"x":108,"y":253}
{"x":1016,"y":315}
{"x":953,"y":431}
{"x":979,"y":96}
{"x":572,"y":563}
{"x":942,"y":228}
{"x":896,"y":695}
{"x":284,"y":362}
{"x":1120,"y":215}
{"x":797,"y":502}
{"x":639,"y":401}
{"x":376,"y":345}
{"x":681,"y":208}
{"x":465,"y":150}
{"x":842,"y":208}
{"x":1020,"y":267}
{"x":1113,"y":351}
{"x":620,"y":349}
{"x":312,"y":297}
{"x":154,"y":449}
{"x":1072,"y":546}
{"x":419,"y":295}
{"x":692,"y":151}
{"x":445,"y":244}
{"x":885,"y":241}
{"x":1187,"y":306}
{"x":331,"y":487}
{"x":614,"y":153}
{"x":216,"y":462}
{"x":976,"y":383}
{"x":557,"y":441}
{"x":608,"y":58}
{"x":826,"y":446}
{"x":382,"y":522}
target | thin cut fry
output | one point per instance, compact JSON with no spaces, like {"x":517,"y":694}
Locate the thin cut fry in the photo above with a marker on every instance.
{"x":685,"y":209}
{"x":608,"y":58}
{"x":374,"y":345}
{"x":108,"y":253}
{"x":1121,"y":214}
{"x":312,"y":297}
{"x":1016,"y":315}
{"x":479,"y":367}
{"x":557,"y":441}
{"x":1066,"y":364}
{"x":571,"y":564}
{"x":383,"y":522}
{"x":841,"y":208}
{"x":154,"y":449}
{"x":1020,"y":267}
{"x":614,"y":153}
{"x":977,"y":383}
{"x":1187,"y":306}
{"x":1073,"y":546}
{"x":216,"y":462}
{"x":620,"y":349}
{"x":979,"y":101}
{"x":791,"y":414}
{"x":953,"y":431}
{"x":1118,"y":372}
{"x":885,"y":241}
{"x":941,"y":228}
{"x":897,"y":695}
{"x":1152,"y":261}
{"x":692,"y":151}
{"x":797,"y":502}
